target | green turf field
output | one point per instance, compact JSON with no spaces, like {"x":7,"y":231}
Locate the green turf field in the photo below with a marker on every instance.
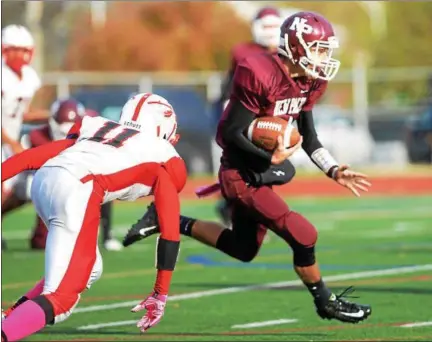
{"x":383,"y":246}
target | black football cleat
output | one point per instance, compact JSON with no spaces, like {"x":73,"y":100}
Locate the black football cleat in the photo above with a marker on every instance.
{"x":342,"y":310}
{"x":145,"y":227}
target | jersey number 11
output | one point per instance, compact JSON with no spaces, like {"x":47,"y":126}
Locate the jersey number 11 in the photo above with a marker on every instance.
{"x":116,"y":141}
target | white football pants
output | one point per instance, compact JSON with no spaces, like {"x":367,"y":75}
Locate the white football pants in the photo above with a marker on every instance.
{"x":71,"y":212}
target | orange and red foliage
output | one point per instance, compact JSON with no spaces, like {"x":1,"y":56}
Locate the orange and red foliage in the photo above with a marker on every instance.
{"x":163,"y":36}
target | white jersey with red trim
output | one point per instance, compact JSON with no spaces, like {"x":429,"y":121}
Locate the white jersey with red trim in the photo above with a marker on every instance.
{"x":119,"y":157}
{"x":17,"y":94}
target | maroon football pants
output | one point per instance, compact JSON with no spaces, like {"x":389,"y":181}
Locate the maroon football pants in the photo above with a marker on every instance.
{"x":256,"y":209}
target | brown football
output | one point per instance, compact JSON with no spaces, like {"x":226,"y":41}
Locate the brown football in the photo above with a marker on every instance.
{"x":264,"y":131}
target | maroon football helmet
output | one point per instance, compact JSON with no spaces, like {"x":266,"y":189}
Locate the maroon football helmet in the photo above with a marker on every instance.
{"x":266,"y":27}
{"x":308,"y":40}
{"x":64,"y":113}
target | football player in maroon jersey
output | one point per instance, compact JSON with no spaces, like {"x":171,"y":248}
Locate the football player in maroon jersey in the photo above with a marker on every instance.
{"x":64,"y":113}
{"x":286,"y":84}
{"x":265,"y":29}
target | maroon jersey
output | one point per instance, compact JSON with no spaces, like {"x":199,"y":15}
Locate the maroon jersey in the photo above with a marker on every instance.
{"x":40,"y":136}
{"x":262,"y":85}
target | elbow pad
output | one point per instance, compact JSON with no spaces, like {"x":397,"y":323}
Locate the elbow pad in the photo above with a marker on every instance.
{"x":279,"y":174}
{"x":274,"y":175}
{"x":166,"y":254}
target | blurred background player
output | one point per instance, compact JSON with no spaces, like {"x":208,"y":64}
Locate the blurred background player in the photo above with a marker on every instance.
{"x":19,"y":85}
{"x":266,"y":34}
{"x":64,"y":113}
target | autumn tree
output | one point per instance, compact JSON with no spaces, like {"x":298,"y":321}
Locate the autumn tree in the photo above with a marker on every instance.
{"x":167,"y":36}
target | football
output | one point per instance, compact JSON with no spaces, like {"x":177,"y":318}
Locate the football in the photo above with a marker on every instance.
{"x":263,"y":132}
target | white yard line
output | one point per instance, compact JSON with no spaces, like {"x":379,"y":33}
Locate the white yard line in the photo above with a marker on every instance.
{"x":106,"y":325}
{"x":264,"y":323}
{"x":291,"y":283}
{"x":416,"y":325}
{"x":239,"y":326}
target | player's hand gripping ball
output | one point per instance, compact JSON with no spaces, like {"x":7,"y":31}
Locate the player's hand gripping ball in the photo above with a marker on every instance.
{"x":263,"y":132}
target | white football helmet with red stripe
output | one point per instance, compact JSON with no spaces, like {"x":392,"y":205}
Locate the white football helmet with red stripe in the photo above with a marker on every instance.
{"x":152,"y":114}
{"x":17,"y":46}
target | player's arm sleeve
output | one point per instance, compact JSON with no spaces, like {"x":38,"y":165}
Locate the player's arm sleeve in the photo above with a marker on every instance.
{"x":169,"y":182}
{"x":33,"y":158}
{"x":311,"y":144}
{"x":246,"y":101}
{"x":306,"y":128}
{"x":313,"y":147}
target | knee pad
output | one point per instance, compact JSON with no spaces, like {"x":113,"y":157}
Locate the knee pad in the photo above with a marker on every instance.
{"x":304,"y":256}
{"x":247,"y":254}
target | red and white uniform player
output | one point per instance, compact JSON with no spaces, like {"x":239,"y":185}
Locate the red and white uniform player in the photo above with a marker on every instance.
{"x":99,"y":161}
{"x":19,"y":83}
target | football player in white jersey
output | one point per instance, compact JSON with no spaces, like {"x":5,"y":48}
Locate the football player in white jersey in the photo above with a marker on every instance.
{"x":19,"y":82}
{"x":99,"y":161}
